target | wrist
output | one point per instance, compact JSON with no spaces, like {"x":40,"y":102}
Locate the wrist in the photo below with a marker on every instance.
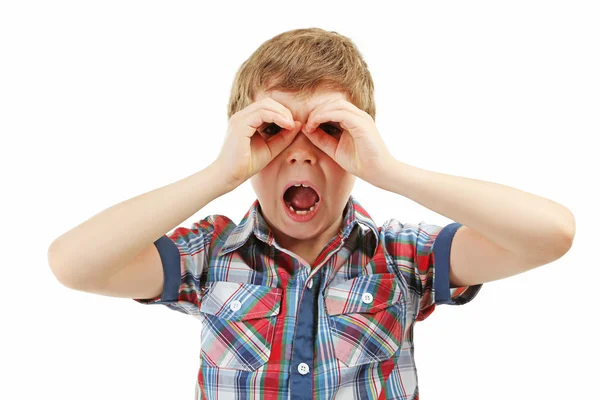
{"x":222,"y":184}
{"x":390,"y":174}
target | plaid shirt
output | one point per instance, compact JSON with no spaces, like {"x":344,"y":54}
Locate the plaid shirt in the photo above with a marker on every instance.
{"x":275,"y":328}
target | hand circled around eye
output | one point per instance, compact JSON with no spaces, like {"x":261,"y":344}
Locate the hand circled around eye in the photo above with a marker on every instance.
{"x":327,"y":128}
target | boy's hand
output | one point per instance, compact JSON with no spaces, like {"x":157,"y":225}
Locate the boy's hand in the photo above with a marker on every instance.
{"x":245,"y":151}
{"x":359,"y":149}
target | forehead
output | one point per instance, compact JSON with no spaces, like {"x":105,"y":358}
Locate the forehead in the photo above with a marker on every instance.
{"x":301,"y":105}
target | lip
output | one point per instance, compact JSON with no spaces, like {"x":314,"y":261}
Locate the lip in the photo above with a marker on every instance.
{"x":298,"y":217}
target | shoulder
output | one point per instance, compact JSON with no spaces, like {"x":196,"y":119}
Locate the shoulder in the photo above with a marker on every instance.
{"x":206,"y":229}
{"x":394,"y":226}
{"x":401,"y":236}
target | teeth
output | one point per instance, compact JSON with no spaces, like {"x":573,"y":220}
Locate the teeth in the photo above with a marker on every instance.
{"x":297,"y":185}
{"x":302,"y":212}
{"x":305,"y":185}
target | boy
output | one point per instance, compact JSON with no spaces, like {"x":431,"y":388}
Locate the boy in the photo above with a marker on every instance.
{"x":307,"y":297}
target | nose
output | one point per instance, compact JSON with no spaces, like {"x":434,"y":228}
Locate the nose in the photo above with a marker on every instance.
{"x":301,"y":150}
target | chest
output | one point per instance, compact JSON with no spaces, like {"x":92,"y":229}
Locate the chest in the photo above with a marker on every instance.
{"x":253,"y":309}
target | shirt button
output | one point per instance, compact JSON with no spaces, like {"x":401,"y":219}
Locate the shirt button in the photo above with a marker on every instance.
{"x":310,"y":284}
{"x":367,"y":298}
{"x":303,"y":368}
{"x":235,"y":305}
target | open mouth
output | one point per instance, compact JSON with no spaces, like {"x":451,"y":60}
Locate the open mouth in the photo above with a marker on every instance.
{"x":301,"y":199}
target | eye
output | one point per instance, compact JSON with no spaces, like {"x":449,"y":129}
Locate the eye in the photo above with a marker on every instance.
{"x":268,"y":131}
{"x":330,"y":129}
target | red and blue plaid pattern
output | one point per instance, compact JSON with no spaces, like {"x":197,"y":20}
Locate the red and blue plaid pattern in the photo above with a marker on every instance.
{"x":365,"y":330}
{"x":238,"y":337}
{"x":275,"y":328}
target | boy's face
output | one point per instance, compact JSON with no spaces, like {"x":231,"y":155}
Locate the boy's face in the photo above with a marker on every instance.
{"x":302,"y":162}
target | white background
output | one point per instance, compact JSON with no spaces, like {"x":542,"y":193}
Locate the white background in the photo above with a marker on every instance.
{"x":103,"y":101}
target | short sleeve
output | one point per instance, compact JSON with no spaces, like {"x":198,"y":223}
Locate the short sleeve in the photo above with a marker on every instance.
{"x":422,"y":253}
{"x":184,"y":254}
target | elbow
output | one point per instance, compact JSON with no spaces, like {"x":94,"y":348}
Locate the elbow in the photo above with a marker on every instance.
{"x":59,"y":268}
{"x":562,"y":246}
{"x":567,"y":243}
{"x":569,"y":235}
{"x":565,"y":237}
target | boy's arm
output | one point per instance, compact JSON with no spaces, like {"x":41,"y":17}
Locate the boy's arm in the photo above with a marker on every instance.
{"x":113,"y":253}
{"x":507,"y":231}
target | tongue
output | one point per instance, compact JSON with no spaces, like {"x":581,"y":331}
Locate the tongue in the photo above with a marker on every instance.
{"x":300,"y":197}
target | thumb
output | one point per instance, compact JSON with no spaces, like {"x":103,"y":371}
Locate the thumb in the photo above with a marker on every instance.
{"x":282,"y":140}
{"x":323,"y":141}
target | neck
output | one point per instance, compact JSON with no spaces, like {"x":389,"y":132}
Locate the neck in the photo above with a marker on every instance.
{"x":309,"y":249}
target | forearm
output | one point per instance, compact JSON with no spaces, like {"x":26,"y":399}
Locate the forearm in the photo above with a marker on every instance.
{"x":105,"y":243}
{"x":520,"y":222}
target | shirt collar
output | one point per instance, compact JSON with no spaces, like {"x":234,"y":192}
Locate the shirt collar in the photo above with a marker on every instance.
{"x":253,"y":222}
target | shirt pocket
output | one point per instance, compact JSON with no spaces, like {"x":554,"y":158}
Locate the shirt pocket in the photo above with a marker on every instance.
{"x":238,"y":324}
{"x":367,"y":315}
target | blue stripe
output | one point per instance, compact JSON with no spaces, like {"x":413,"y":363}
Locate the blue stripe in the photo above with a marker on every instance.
{"x":301,"y":386}
{"x":441,"y":272}
{"x":171,"y":261}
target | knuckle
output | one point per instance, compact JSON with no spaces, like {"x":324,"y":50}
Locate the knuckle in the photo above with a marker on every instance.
{"x":265,"y":115}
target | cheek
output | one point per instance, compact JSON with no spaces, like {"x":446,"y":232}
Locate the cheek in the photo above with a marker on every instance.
{"x":254,"y":185}
{"x":263,"y":182}
{"x":340,"y":181}
{"x":269,"y":172}
{"x":258,"y":183}
{"x":334,"y":170}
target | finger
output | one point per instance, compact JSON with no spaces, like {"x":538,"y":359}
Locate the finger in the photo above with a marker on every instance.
{"x":327,"y":143}
{"x":263,"y":116}
{"x":280,"y":141}
{"x":283,"y":109}
{"x":271,"y":104}
{"x":277,"y":118}
{"x":347,"y":120}
{"x":337,"y":104}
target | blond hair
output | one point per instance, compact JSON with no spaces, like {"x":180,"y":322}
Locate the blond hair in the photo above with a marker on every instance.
{"x":304,"y":61}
